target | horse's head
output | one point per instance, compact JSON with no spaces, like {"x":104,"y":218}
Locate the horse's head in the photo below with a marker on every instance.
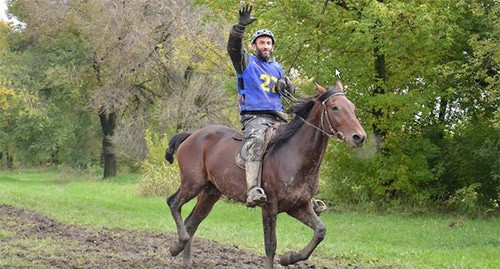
{"x":338,"y":117}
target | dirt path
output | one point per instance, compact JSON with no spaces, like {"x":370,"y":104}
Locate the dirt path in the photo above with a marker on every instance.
{"x":31,"y":240}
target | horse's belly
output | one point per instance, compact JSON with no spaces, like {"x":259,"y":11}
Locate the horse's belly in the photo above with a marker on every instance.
{"x":222,"y":170}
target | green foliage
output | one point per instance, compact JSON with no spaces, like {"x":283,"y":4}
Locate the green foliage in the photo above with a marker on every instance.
{"x":367,"y":179}
{"x":23,"y":125}
{"x":159,"y":178}
{"x":347,"y":186}
{"x":464,"y":200}
{"x":4,"y":30}
{"x":406,"y":175}
{"x":472,"y":162}
{"x":430,"y":104}
{"x":56,"y":128}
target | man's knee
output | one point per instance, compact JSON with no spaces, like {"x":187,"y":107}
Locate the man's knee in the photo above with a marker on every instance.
{"x":255,"y":148}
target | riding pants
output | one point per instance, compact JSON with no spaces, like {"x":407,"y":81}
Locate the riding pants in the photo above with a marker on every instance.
{"x":254,"y":127}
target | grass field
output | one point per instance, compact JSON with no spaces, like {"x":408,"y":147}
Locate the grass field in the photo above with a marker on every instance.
{"x":369,"y":240}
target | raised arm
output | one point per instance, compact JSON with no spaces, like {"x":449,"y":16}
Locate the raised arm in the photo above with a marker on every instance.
{"x":237,"y":53}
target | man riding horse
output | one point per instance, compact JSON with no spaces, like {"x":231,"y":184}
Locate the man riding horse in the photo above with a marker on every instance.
{"x":261,"y":84}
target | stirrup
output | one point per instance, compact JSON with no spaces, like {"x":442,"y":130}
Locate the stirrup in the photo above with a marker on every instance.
{"x":256,"y":196}
{"x":318,"y":206}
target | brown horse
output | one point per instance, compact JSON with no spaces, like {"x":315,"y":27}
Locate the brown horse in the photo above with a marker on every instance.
{"x":290,"y":170}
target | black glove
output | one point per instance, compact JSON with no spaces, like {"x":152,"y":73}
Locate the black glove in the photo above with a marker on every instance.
{"x":245,"y":18}
{"x":285,"y":87}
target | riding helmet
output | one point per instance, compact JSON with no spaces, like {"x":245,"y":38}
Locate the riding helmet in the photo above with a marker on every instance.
{"x":262,"y":32}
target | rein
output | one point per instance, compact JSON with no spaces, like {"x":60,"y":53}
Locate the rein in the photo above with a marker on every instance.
{"x":332,"y":133}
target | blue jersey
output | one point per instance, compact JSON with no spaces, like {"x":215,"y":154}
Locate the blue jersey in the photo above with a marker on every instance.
{"x":256,"y":86}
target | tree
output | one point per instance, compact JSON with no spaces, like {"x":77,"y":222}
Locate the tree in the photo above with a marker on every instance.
{"x":57,"y":127}
{"x":13,"y":106}
{"x":403,"y":65}
{"x":117,"y":60}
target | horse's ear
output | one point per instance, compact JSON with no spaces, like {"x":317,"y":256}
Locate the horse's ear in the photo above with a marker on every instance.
{"x":340,"y":86}
{"x":321,"y":90}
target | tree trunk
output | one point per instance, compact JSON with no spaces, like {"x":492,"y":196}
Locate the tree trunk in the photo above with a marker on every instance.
{"x":10,"y":160}
{"x":380,"y":78}
{"x":108,"y":124}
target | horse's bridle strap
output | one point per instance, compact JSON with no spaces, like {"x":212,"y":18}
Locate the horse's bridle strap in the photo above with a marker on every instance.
{"x":332,"y":133}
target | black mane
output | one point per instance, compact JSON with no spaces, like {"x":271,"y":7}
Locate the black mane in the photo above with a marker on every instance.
{"x":301,"y":110}
{"x":285,"y":131}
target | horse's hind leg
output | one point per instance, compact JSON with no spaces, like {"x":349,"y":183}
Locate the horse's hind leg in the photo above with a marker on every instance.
{"x":206,"y":200}
{"x":307,"y":216}
{"x":204,"y":204}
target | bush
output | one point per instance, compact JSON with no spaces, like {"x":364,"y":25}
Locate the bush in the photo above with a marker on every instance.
{"x":363,"y":177}
{"x":465,"y":199}
{"x":471,"y":159}
{"x":159,"y":178}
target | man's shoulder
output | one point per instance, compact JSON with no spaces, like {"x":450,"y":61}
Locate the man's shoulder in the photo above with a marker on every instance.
{"x":269,"y":61}
{"x":275,"y":63}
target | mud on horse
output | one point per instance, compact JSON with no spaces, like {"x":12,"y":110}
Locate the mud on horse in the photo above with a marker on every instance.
{"x":290,"y":170}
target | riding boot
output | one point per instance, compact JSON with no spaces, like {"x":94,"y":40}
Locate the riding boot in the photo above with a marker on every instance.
{"x":255,"y":194}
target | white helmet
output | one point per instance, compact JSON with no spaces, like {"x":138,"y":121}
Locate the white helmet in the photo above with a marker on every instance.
{"x":262,"y":32}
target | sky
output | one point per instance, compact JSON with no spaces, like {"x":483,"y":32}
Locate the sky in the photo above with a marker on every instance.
{"x":3,"y":15}
{"x":3,"y":9}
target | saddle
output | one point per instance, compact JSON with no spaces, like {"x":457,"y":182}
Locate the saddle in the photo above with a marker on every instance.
{"x":242,"y":153}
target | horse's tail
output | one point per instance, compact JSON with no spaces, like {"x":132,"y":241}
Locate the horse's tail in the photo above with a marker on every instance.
{"x":173,"y":144}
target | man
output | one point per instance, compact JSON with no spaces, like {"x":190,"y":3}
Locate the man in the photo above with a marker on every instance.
{"x":261,"y":80}
{"x":261,"y":83}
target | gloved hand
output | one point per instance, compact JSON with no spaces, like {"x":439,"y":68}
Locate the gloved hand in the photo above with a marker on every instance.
{"x":245,"y":18}
{"x":285,"y":87}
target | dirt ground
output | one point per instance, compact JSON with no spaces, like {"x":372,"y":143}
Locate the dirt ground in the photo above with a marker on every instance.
{"x":31,"y":240}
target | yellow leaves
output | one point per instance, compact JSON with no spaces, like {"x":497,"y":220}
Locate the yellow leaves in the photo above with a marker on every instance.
{"x":200,"y":53}
{"x":14,"y":102}
{"x":4,"y":29}
{"x":6,"y":96}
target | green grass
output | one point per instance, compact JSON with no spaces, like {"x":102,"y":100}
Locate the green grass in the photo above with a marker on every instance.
{"x":352,"y":238}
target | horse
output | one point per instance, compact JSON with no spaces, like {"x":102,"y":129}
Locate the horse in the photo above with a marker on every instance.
{"x":290,"y":170}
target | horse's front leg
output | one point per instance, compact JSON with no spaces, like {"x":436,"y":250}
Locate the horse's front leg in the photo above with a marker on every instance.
{"x":269,"y":213}
{"x":307,"y":216}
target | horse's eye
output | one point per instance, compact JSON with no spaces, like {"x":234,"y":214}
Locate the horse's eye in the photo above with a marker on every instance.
{"x":335,"y":108}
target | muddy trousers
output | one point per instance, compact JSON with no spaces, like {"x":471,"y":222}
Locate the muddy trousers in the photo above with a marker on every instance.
{"x":254,"y":127}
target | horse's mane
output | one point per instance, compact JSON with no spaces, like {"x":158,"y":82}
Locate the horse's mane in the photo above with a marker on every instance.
{"x":284,"y":131}
{"x":301,"y":110}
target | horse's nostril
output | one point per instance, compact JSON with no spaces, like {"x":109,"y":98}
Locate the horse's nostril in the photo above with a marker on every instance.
{"x":359,"y":140}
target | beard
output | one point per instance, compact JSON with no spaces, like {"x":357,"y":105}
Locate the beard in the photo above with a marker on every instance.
{"x":263,"y":55}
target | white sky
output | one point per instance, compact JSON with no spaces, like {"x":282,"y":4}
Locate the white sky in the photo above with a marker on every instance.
{"x":3,"y":7}
{"x":3,"y":15}
{"x":3,"y":10}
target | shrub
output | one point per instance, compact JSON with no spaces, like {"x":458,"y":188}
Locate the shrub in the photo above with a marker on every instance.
{"x":159,"y":178}
{"x":465,"y":199}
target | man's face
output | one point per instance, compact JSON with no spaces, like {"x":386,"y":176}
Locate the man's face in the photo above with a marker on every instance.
{"x":263,"y":47}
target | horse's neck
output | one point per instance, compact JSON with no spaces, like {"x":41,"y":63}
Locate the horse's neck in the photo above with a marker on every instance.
{"x":311,"y":142}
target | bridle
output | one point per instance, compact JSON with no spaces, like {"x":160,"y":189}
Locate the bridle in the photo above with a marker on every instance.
{"x":331,"y":132}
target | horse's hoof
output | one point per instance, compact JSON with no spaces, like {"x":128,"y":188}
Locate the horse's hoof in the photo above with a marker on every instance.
{"x":176,"y":249}
{"x":287,"y":258}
